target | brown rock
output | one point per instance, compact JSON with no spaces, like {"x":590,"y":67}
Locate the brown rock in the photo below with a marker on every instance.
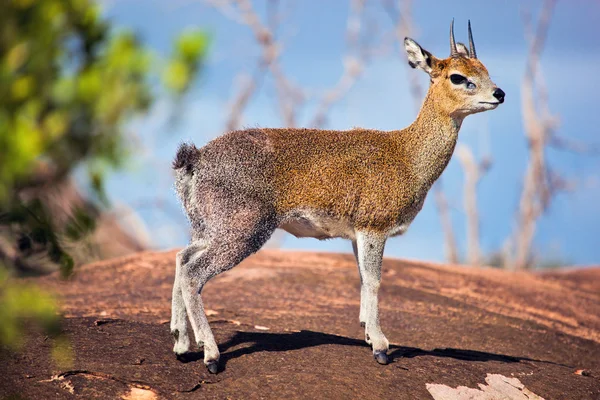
{"x":448,"y":325}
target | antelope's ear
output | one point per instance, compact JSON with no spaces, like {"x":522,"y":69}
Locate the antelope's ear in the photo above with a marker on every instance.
{"x":418,"y":57}
{"x":462,"y":49}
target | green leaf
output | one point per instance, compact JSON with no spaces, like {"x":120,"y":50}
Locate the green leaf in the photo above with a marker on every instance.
{"x":191,"y":46}
{"x":177,"y":75}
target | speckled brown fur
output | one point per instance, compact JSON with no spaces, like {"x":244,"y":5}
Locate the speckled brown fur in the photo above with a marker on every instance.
{"x":363,"y":185}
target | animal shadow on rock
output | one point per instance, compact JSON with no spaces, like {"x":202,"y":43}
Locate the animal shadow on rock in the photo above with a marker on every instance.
{"x":282,"y":342}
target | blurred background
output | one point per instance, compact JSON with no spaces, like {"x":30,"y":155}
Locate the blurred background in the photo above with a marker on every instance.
{"x":95,"y":96}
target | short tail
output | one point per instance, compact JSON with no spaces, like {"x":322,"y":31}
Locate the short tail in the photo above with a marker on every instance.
{"x":186,"y":157}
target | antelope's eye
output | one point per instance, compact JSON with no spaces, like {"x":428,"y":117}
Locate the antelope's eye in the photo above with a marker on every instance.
{"x":471,"y":85}
{"x":457,"y":79}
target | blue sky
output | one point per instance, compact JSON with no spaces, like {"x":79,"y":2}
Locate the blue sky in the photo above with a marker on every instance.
{"x":313,"y":35}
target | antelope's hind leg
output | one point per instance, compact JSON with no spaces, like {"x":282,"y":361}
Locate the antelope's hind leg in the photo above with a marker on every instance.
{"x":237,"y":235}
{"x":179,"y":315}
{"x":178,"y":310}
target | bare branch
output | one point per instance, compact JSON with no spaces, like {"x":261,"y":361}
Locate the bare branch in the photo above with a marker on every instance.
{"x":537,"y":190}
{"x":573,"y":146}
{"x":353,"y":65}
{"x":401,"y":17}
{"x":450,"y":247}
{"x":288,"y":95}
{"x":473,"y":172}
{"x":352,"y":70}
{"x":247,"y":89}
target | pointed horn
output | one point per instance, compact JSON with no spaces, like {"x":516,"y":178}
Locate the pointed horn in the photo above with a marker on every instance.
{"x":453,"y":49}
{"x":471,"y":43}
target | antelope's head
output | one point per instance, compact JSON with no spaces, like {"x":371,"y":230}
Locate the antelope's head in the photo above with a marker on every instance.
{"x":460,"y":83}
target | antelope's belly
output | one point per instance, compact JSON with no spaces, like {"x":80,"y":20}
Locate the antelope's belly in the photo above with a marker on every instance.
{"x":318,"y":225}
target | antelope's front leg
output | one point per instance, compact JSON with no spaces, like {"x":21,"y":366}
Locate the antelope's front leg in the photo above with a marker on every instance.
{"x":370,"y":255}
{"x":362,"y":317}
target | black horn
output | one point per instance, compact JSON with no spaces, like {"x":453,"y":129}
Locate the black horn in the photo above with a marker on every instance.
{"x":453,"y":49}
{"x":472,"y":52}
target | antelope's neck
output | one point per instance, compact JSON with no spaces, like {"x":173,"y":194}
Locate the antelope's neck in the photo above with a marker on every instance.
{"x":429,"y":142}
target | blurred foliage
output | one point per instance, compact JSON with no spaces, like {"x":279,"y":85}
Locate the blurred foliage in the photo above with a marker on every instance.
{"x":68,"y":84}
{"x":21,"y":303}
{"x":25,"y":306}
{"x":189,"y":50}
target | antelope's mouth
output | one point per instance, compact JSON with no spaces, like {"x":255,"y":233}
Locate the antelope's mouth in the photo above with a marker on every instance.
{"x":489,"y":102}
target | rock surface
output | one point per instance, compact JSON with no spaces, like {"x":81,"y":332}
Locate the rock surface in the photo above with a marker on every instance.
{"x":287,"y":327}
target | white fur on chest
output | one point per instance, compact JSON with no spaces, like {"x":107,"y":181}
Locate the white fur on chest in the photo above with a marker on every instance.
{"x":318,"y":225}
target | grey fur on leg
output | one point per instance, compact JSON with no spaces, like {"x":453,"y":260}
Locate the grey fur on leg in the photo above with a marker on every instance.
{"x":192,"y":282}
{"x":362,"y":317}
{"x":370,"y":255}
{"x":179,"y":314}
{"x":230,"y":239}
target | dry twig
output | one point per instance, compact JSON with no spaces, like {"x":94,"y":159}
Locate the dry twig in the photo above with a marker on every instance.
{"x":473,"y":174}
{"x":538,"y":124}
{"x":353,"y":65}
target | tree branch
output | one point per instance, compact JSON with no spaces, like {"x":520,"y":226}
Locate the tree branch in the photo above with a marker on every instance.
{"x":536,"y":193}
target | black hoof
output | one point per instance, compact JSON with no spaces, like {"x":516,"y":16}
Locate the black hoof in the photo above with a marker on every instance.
{"x":362,"y":324}
{"x":213,"y":367}
{"x":181,"y":357}
{"x":381,"y":357}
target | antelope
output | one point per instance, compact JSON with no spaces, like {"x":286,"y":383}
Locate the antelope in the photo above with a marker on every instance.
{"x":363,"y":185}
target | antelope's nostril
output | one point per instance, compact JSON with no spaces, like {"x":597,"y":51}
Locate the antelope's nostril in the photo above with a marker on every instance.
{"x":499,"y":94}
